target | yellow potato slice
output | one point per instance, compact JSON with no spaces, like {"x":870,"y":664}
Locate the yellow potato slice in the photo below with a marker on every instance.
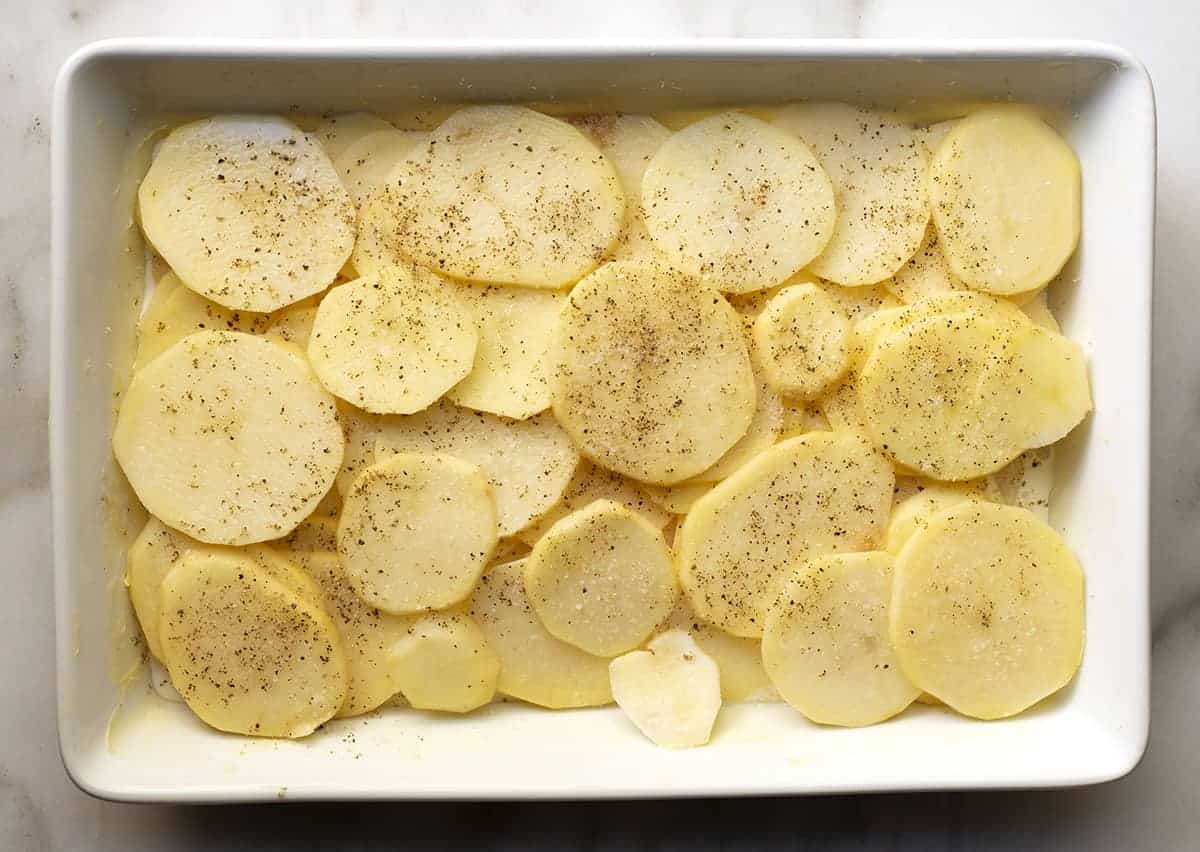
{"x":315,"y":533}
{"x":858,"y":303}
{"x":359,"y":430}
{"x":509,"y":550}
{"x":1005,"y":190}
{"x":248,"y":654}
{"x":444,"y":664}
{"x":1027,"y":481}
{"x":679,"y":499}
{"x":1039,"y":313}
{"x":392,"y":343}
{"x":528,"y":463}
{"x":743,"y":678}
{"x":500,"y":194}
{"x":248,"y":210}
{"x":416,"y":532}
{"x":877,"y":166}
{"x":534,"y":665}
{"x":601,"y":579}
{"x":826,"y":647}
{"x":516,"y":328}
{"x":913,"y":512}
{"x":825,"y":492}
{"x":671,"y":690}
{"x":338,"y":132}
{"x":801,"y":416}
{"x":229,"y":438}
{"x":652,"y":378}
{"x":180,"y":312}
{"x":801,"y":341}
{"x":365,"y":164}
{"x":294,"y":324}
{"x":987,"y":610}
{"x":925,"y":274}
{"x":737,"y":202}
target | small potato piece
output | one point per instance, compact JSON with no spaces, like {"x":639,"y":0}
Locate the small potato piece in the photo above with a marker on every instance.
{"x":601,"y":579}
{"x":248,"y":654}
{"x":366,"y":163}
{"x":500,"y":194}
{"x":516,"y":329}
{"x":743,"y":678}
{"x":444,"y":664}
{"x":1005,"y":190}
{"x":229,"y":438}
{"x":826,"y":645}
{"x":801,"y":341}
{"x":824,"y":492}
{"x":987,"y":610}
{"x":416,"y":532}
{"x":591,"y":483}
{"x":652,"y":378}
{"x":926,"y":274}
{"x":737,"y":202}
{"x":877,"y":166}
{"x":248,"y":210}
{"x":671,"y":690}
{"x":338,"y":132}
{"x":180,"y":313}
{"x":534,"y":666}
{"x":913,"y":513}
{"x":392,"y":343}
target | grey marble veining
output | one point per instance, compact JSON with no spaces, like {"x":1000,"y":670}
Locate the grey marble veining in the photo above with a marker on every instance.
{"x":1156,"y":808}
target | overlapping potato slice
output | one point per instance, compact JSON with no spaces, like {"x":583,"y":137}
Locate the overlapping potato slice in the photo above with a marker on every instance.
{"x":987,"y":610}
{"x":802,"y":341}
{"x":175,"y":312}
{"x":294,"y":324}
{"x":445,"y":664}
{"x":913,"y":512}
{"x":826,"y":647}
{"x":679,"y":499}
{"x":1038,"y":310}
{"x":315,"y":533}
{"x":336,"y":133}
{"x":359,"y":431}
{"x":1027,"y":481}
{"x":229,"y":438}
{"x":738,"y":658}
{"x":248,"y":210}
{"x":737,"y":202}
{"x":925,"y":274}
{"x":365,"y":164}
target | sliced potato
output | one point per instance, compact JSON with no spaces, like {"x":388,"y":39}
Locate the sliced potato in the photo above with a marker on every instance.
{"x":601,"y":579}
{"x":737,"y":202}
{"x":652,"y":378}
{"x":294,"y":324}
{"x":826,"y":645}
{"x":500,"y":194}
{"x":1038,"y":310}
{"x":987,"y":610}
{"x":359,"y":430}
{"x":671,"y":690}
{"x":858,"y":303}
{"x":229,"y":438}
{"x":877,"y":166}
{"x":248,"y":210}
{"x":1027,"y":481}
{"x":739,"y":659}
{"x":1005,"y":190}
{"x":509,"y":549}
{"x":925,"y":274}
{"x":248,"y":654}
{"x":913,"y":512}
{"x":179,"y":312}
{"x":801,"y":341}
{"x":679,"y":499}
{"x":365,"y":164}
{"x":444,"y":664}
{"x":336,"y":133}
{"x":824,"y":492}
{"x":392,"y":343}
{"x":416,"y":532}
{"x":534,"y":666}
{"x":591,"y":483}
{"x":800,"y":416}
{"x":315,"y":533}
{"x":528,"y":463}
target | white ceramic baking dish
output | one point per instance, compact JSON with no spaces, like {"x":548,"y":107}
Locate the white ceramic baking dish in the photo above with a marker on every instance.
{"x":109,"y":93}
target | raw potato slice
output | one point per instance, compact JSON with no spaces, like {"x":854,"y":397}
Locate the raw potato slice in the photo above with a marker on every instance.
{"x":826,"y":645}
{"x":801,"y":416}
{"x":1027,"y":482}
{"x":229,"y":438}
{"x":858,"y":303}
{"x":801,"y":341}
{"x":825,"y":492}
{"x":1039,"y":313}
{"x":652,"y":378}
{"x":500,"y":194}
{"x":516,"y":327}
{"x":528,"y":463}
{"x":359,"y":429}
{"x":933,"y":134}
{"x":248,"y":654}
{"x":743,"y":677}
{"x":987,"y":610}
{"x":534,"y":666}
{"x":392,"y":343}
{"x":293,"y":324}
{"x":248,"y":210}
{"x":315,"y":533}
{"x":926,"y":274}
{"x":591,"y":483}
{"x":765,"y":427}
{"x":601,"y":579}
{"x":913,"y":513}
{"x":1005,"y":193}
{"x":679,"y":499}
{"x":877,"y":167}
{"x":509,"y":550}
{"x":671,"y":690}
{"x":445,"y":664}
{"x":338,"y":132}
{"x":180,"y":312}
{"x":416,"y":532}
{"x":366,"y":163}
{"x":737,"y":202}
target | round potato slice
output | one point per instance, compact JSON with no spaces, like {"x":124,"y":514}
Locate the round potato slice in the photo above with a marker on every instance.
{"x":248,"y":654}
{"x":181,"y":312}
{"x":824,"y":492}
{"x":825,"y":645}
{"x":336,"y":133}
{"x":926,"y":274}
{"x":516,"y":328}
{"x":737,"y":202}
{"x":652,"y":378}
{"x":248,"y":210}
{"x":679,"y":499}
{"x":444,"y":664}
{"x":500,"y":194}
{"x":416,"y":532}
{"x":743,"y":678}
{"x":877,"y":166}
{"x":601,"y":579}
{"x":294,"y":324}
{"x":913,"y":512}
{"x":528,"y":463}
{"x":394,"y":342}
{"x":1005,"y":190}
{"x":228,"y":438}
{"x":534,"y":665}
{"x":801,"y":341}
{"x":987,"y":610}
{"x":365,"y":164}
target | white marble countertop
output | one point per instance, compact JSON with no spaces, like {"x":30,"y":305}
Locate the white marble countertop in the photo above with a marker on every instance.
{"x":1155,"y":808}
